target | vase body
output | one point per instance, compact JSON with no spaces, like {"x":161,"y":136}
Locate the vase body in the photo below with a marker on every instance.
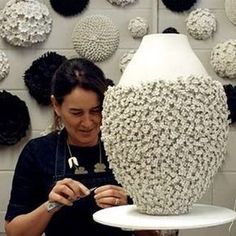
{"x":165,"y":126}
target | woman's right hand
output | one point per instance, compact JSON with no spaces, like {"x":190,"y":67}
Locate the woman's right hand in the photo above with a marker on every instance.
{"x":66,"y":191}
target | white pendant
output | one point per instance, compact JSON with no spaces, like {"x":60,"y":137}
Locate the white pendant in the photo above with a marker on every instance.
{"x":99,"y":167}
{"x":80,"y":170}
{"x":72,"y":161}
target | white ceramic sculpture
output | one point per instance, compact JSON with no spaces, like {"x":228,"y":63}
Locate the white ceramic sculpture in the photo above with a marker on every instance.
{"x":121,"y":3}
{"x":223,"y":59}
{"x":138,"y":27}
{"x":96,"y":37}
{"x":4,"y":65}
{"x":165,"y":126}
{"x":201,"y":24}
{"x":125,"y":59}
{"x":25,"y":22}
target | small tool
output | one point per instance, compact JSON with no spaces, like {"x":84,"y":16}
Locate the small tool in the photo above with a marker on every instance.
{"x":53,"y":205}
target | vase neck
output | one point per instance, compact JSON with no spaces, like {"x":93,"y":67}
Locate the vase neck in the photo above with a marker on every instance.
{"x":162,"y":56}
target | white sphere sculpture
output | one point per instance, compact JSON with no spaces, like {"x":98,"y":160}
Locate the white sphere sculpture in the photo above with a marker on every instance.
{"x":165,"y":126}
{"x":223,"y":59}
{"x":25,"y":22}
{"x":4,"y":65}
{"x":121,"y":3}
{"x":96,"y":37}
{"x":201,"y":24}
{"x":138,"y":27}
{"x":125,"y":59}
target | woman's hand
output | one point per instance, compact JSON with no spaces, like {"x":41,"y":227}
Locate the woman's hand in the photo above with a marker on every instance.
{"x":66,"y":191}
{"x":110,"y":195}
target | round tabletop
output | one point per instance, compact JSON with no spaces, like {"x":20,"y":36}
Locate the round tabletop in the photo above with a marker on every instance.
{"x":129,"y":217}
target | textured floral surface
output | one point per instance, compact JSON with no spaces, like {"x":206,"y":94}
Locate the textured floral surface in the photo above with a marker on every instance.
{"x":96,"y":37}
{"x":69,"y":7}
{"x":14,"y":118}
{"x":4,"y":65}
{"x":125,"y":59}
{"x":121,"y":3}
{"x":223,"y":59}
{"x":25,"y":22}
{"x":201,"y":24}
{"x":179,"y":5}
{"x":39,"y":76}
{"x":138,"y":27}
{"x":166,"y":140}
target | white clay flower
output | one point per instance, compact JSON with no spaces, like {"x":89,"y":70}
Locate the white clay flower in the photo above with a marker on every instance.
{"x":20,"y":20}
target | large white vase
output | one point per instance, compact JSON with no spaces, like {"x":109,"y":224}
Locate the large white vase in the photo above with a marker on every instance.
{"x":165,"y":126}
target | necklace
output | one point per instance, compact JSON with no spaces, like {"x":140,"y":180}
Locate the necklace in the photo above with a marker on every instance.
{"x":73,"y":163}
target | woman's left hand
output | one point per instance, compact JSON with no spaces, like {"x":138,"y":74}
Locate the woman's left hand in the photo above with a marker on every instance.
{"x":110,"y":195}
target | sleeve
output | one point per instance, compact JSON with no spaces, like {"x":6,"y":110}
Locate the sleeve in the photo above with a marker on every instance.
{"x":25,"y":192}
{"x":230,"y":92}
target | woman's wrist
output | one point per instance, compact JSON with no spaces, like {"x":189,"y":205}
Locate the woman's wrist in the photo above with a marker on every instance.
{"x":52,"y":207}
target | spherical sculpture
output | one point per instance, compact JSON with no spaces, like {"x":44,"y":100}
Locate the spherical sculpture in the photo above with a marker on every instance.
{"x":14,"y":118}
{"x":39,"y":76}
{"x":69,"y":7}
{"x":165,"y":126}
{"x":170,"y":30}
{"x":96,"y":38}
{"x":138,"y":27}
{"x":4,"y":65}
{"x":121,"y":3}
{"x":223,"y":59}
{"x":230,"y":92}
{"x":201,"y":24}
{"x":25,"y":22}
{"x":230,"y":10}
{"x":125,"y":59}
{"x":179,"y":5}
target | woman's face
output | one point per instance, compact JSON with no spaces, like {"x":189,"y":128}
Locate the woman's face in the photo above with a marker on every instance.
{"x":80,"y":113}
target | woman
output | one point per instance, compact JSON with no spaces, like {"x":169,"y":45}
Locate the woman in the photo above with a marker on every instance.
{"x":68,"y":166}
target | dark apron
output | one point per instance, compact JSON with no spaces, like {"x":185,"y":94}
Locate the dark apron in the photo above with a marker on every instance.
{"x":77,"y":219}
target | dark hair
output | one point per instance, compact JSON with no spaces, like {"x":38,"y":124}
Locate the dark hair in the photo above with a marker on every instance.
{"x":78,"y":72}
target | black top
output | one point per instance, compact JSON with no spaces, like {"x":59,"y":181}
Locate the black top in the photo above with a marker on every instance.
{"x":43,"y":161}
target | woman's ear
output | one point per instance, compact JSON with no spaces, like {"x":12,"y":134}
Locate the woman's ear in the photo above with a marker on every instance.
{"x":55,"y":105}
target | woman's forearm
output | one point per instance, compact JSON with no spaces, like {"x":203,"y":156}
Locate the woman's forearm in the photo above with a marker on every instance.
{"x":31,"y":224}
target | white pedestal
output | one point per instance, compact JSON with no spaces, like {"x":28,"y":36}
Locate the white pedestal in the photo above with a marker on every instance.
{"x":199,"y":217}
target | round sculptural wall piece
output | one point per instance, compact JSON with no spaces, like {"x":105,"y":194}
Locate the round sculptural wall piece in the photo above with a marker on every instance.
{"x":24,"y":23}
{"x":125,"y":59}
{"x":39,"y":75}
{"x":69,"y":7}
{"x":170,"y":30}
{"x":138,"y":27}
{"x":179,"y":5}
{"x":121,"y":3}
{"x":4,"y":65}
{"x":223,"y":59}
{"x":96,"y":37}
{"x":165,"y":140}
{"x":14,"y":118}
{"x":201,"y":24}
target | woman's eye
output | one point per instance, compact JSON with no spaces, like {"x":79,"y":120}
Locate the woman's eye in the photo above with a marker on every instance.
{"x":76,"y":113}
{"x":97,"y":111}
